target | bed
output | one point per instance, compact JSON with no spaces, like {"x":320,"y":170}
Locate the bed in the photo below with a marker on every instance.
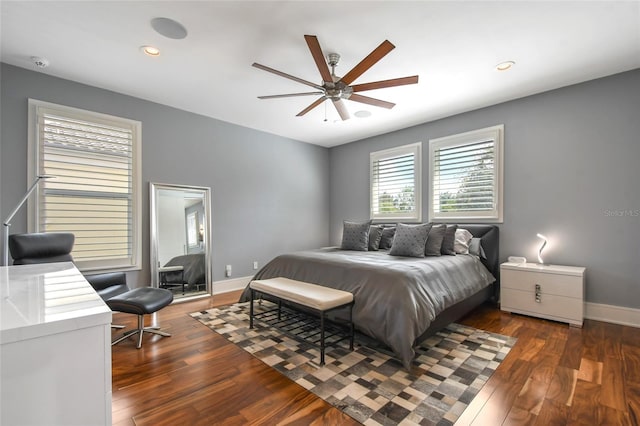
{"x":192,"y":273}
{"x":399,"y":300}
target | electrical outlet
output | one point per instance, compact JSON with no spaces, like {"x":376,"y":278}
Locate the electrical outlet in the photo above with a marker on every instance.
{"x":227,"y":270}
{"x":255,"y":264}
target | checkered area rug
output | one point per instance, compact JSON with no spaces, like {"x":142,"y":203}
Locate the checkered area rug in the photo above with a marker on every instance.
{"x":368,"y":384}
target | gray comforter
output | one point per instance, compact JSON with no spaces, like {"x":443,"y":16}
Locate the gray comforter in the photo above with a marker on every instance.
{"x":396,"y":298}
{"x":193,"y":269}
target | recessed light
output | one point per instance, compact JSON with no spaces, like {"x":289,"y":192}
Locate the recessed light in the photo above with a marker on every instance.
{"x":503,"y":66}
{"x":150,"y":50}
{"x":169,"y":28}
{"x":362,"y":114}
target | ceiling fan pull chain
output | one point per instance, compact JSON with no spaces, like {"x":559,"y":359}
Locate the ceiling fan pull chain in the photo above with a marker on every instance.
{"x":325,"y":112}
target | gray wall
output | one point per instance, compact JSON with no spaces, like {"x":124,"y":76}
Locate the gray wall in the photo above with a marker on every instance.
{"x":269,"y":194}
{"x":571,"y":172}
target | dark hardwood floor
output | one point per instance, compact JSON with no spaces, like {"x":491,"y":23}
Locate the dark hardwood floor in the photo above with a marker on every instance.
{"x":555,"y":375}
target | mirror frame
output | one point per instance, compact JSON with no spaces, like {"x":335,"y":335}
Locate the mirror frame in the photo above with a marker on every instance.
{"x":154,"y":189}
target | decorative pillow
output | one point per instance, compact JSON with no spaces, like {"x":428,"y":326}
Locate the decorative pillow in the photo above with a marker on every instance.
{"x":475,"y":248}
{"x":355,"y":235}
{"x":434,"y":242}
{"x":410,"y":240}
{"x":448,"y":240}
{"x":462,"y":240}
{"x":375,"y":235}
{"x":387,"y":238}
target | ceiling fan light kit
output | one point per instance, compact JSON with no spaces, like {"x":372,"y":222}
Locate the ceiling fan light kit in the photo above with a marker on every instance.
{"x":336,"y":88}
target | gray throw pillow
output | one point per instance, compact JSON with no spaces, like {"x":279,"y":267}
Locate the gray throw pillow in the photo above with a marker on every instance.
{"x":410,"y":240}
{"x":434,"y":242}
{"x":475,"y":248}
{"x":387,"y":238}
{"x":448,"y":240}
{"x":375,"y":235}
{"x":355,"y":236}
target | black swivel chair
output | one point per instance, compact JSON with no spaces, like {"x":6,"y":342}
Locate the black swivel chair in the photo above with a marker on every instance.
{"x":48,"y":247}
{"x":112,"y":287}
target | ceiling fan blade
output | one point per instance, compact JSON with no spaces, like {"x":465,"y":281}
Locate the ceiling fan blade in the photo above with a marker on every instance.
{"x":289,"y":95}
{"x":371,"y":101}
{"x":312,"y":106}
{"x":285,"y":75}
{"x":385,"y":83}
{"x":373,"y":57}
{"x":342,"y":109}
{"x":318,"y":56}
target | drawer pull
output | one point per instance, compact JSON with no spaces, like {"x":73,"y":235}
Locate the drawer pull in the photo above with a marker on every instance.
{"x":538,"y":294}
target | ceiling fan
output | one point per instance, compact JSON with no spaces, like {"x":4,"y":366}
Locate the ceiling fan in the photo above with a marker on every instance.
{"x":339,"y":88}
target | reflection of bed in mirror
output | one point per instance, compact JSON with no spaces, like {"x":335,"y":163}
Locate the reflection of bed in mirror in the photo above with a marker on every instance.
{"x":187,"y":270}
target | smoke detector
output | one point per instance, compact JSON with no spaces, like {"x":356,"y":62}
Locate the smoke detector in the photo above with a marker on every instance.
{"x":40,"y":62}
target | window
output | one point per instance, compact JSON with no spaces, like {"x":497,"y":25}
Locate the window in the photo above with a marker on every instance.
{"x":94,"y":191}
{"x":395,"y":183}
{"x":465,"y":175}
{"x":192,"y":232}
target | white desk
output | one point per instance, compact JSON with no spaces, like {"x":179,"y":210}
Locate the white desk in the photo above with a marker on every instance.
{"x":55,"y":349}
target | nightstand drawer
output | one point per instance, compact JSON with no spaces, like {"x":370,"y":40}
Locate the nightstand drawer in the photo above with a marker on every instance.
{"x":550,"y":284}
{"x":559,"y":308}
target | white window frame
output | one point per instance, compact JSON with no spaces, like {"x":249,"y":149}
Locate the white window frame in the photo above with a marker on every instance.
{"x":495,"y":133}
{"x":416,"y":150}
{"x":36,"y":108}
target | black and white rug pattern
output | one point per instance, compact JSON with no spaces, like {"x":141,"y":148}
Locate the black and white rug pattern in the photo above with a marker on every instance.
{"x":368,"y":384}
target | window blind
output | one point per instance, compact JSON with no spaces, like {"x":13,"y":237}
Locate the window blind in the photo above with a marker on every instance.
{"x":394,"y":177}
{"x":92,"y":193}
{"x":464,"y":177}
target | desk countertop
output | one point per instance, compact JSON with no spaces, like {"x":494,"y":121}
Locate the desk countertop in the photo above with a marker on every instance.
{"x":45,"y":299}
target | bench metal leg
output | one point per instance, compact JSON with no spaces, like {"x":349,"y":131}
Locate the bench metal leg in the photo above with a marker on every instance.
{"x":321,"y":338}
{"x":351,"y":326}
{"x":251,"y":308}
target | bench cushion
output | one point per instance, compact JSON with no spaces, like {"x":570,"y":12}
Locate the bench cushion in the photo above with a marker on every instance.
{"x":306,"y":294}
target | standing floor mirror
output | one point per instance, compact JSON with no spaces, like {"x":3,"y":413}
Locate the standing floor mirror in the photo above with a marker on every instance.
{"x":181,"y":239}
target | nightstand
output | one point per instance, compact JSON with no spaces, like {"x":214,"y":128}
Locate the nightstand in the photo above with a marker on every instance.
{"x":547,"y":291}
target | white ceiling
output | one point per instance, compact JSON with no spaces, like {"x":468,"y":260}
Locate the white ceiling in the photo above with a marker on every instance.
{"x":453,"y":47}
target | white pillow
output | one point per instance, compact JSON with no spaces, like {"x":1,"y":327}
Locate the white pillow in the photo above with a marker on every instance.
{"x":462,"y":240}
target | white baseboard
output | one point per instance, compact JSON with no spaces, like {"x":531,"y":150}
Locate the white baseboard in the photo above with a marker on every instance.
{"x":613,"y":314}
{"x":233,"y":284}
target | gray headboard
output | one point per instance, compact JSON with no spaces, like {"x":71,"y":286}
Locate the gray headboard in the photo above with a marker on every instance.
{"x":490,"y":241}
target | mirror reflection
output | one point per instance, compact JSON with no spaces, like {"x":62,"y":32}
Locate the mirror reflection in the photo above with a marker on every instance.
{"x":180,"y":222}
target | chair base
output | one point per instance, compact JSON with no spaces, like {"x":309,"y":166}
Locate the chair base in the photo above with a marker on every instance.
{"x":140,"y":332}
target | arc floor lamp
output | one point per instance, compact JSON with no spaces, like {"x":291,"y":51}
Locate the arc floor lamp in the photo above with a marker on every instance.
{"x":7,"y":222}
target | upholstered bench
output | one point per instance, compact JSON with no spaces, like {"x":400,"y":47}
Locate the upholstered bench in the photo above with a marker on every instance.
{"x":141,"y":301}
{"x":313,"y":297}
